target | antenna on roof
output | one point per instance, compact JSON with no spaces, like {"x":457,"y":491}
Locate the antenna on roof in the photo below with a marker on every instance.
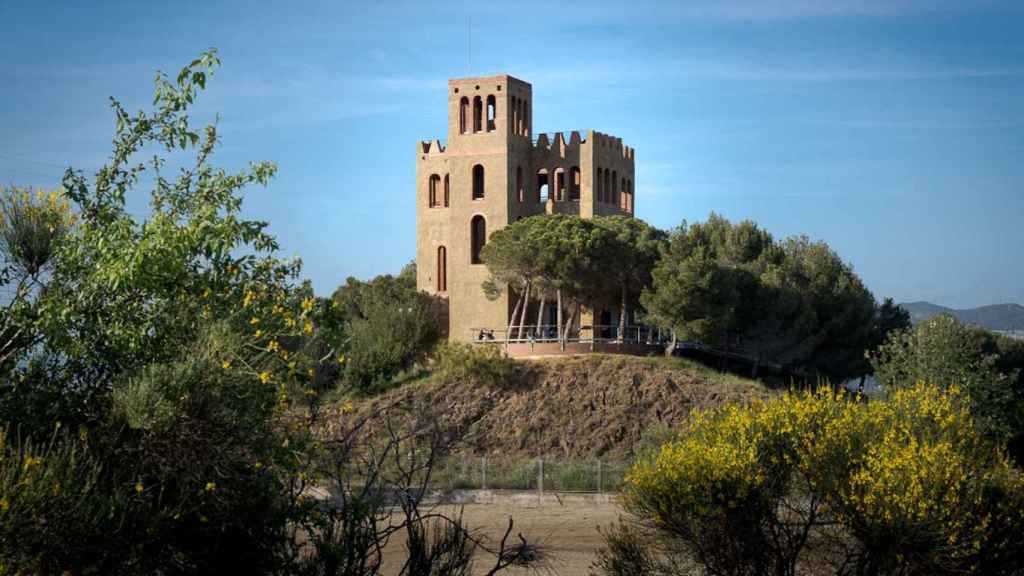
{"x":469,"y":40}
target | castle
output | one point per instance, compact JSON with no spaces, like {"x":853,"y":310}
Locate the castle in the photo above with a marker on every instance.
{"x":493,"y":171}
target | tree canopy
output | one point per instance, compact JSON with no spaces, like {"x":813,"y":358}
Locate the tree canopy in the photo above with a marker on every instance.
{"x":793,"y":302}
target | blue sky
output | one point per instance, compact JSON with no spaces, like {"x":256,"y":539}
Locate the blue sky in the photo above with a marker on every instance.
{"x":892,"y":130}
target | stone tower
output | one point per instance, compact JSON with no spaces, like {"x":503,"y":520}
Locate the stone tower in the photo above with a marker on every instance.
{"x":493,"y":171}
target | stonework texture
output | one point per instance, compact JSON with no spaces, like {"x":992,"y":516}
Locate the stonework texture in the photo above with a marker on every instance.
{"x":490,"y":129}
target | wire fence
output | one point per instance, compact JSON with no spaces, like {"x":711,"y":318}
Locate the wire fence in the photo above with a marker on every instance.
{"x":540,"y":474}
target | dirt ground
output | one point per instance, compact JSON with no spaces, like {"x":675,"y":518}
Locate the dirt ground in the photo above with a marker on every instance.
{"x":567,"y":532}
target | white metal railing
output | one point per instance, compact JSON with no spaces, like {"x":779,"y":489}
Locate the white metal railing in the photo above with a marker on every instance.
{"x":532,"y":333}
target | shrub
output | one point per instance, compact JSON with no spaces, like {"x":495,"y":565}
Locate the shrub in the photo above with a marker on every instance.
{"x":815,"y":479}
{"x":482,"y":364}
{"x":987,"y":367}
{"x":389,"y":325}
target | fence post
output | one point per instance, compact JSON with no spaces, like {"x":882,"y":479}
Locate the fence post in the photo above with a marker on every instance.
{"x":599,"y":477}
{"x":540,"y":475}
{"x":483,"y":472}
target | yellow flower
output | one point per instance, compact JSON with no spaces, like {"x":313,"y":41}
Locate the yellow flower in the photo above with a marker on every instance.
{"x":311,"y":372}
{"x":4,"y":504}
{"x":341,"y":359}
{"x":258,"y":333}
{"x":347,"y":407}
{"x":138,"y":487}
{"x":264,"y":376}
{"x":290,"y":322}
{"x":273,"y":346}
{"x":207,"y":292}
{"x":249,"y":297}
{"x":307,"y":304}
{"x":307,"y":327}
{"x":225,"y":364}
{"x":31,"y":462}
{"x":254,"y":321}
{"x":258,"y":465}
{"x":211,"y":486}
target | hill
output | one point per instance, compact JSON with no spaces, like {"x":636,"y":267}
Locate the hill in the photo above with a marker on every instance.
{"x":999,"y":317}
{"x":577,"y":407}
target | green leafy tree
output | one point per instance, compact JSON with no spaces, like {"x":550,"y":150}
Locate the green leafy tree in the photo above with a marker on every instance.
{"x":691,"y":295}
{"x":388,"y":326}
{"x":834,"y":328}
{"x":160,"y":423}
{"x":944,"y":351}
{"x":512,"y":259}
{"x":559,"y":253}
{"x":635,"y":248}
{"x":166,"y":351}
{"x":32,"y":226}
{"x":792,"y":303}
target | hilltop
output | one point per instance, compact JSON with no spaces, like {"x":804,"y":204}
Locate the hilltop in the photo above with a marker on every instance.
{"x":597,"y":405}
{"x":998,"y":317}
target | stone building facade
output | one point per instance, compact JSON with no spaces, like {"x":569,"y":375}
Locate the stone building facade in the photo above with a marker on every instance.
{"x":492,"y":171}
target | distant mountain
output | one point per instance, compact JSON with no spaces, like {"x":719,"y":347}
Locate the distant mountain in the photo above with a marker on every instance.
{"x":1001,"y":317}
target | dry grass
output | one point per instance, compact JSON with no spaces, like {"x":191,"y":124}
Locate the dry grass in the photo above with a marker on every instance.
{"x":584,"y":407}
{"x":569,"y":534}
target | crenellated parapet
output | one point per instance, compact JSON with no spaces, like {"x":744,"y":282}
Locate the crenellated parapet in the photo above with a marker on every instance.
{"x":556,"y":142}
{"x":429,"y":147}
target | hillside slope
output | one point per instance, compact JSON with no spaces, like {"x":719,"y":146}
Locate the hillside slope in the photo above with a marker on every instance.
{"x":590,"y":406}
{"x":1002,"y":317}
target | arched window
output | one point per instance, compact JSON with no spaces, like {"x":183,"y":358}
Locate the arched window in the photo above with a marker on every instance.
{"x":600,"y":185}
{"x":559,"y":185}
{"x":520,"y":192}
{"x":478,"y":182}
{"x":624,"y":192}
{"x":478,"y":114}
{"x":447,"y":189}
{"x":442,"y":269}
{"x":515,"y":115}
{"x":463,"y":112}
{"x":478,"y":237}
{"x":542,"y":185}
{"x":519,"y":118}
{"x":492,"y":112}
{"x":574,"y":184}
{"x":609,"y":191}
{"x":632,"y":198}
{"x":433,"y":185}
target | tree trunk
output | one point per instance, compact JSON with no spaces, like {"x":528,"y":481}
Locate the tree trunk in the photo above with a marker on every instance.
{"x":540,"y":315}
{"x":558,"y":316}
{"x":522,"y":315}
{"x":622,"y":316}
{"x":671,"y":348}
{"x":568,"y":323}
{"x":512,"y":322}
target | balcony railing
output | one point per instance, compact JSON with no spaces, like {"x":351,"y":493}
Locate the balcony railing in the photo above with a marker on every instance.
{"x":549,"y":333}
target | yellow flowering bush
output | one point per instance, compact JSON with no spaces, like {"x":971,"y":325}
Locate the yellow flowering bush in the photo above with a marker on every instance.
{"x":907,"y":482}
{"x":32,"y":224}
